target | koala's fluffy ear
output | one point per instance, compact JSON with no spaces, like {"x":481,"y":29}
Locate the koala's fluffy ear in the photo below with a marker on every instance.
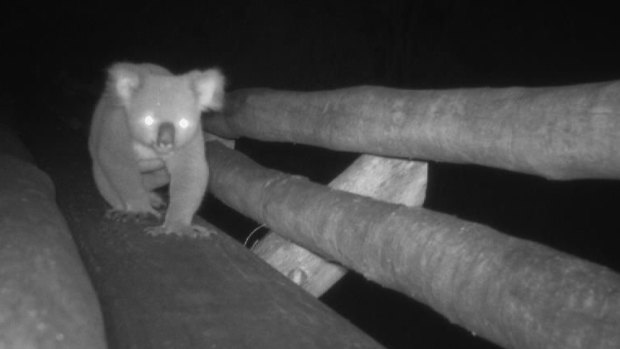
{"x":209,"y":88}
{"x":124,"y":80}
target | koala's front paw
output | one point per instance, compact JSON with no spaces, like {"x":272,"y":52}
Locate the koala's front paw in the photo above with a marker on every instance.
{"x":182,"y":230}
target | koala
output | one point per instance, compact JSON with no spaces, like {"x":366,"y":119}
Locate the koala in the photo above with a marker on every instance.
{"x":146,"y":132}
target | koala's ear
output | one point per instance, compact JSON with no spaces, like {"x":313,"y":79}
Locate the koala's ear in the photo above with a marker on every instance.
{"x":124,"y":80}
{"x":209,"y":88}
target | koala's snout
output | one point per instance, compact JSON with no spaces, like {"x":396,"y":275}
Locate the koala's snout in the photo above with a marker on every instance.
{"x":165,"y":135}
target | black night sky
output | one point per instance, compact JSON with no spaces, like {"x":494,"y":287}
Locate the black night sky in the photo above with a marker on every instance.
{"x":55,"y":55}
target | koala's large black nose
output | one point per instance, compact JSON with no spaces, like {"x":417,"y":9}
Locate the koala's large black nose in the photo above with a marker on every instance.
{"x":165,"y":135}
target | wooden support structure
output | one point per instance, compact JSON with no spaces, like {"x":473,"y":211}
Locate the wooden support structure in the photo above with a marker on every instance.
{"x":162,"y":292}
{"x":513,"y":292}
{"x":171,"y":292}
{"x":46,"y":299}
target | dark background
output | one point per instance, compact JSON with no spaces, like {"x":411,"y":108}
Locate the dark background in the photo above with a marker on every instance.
{"x":54,"y":57}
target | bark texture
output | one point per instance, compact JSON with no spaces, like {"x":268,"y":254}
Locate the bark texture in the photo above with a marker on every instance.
{"x":565,"y":132}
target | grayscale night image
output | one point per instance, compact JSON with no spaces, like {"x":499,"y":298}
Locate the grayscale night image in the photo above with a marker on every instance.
{"x":310,"y":174}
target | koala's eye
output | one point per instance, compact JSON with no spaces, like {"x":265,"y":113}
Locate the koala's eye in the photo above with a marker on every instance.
{"x":184,"y":123}
{"x":149,"y":120}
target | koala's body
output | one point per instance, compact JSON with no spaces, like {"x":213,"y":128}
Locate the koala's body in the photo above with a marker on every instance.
{"x":145,"y":133}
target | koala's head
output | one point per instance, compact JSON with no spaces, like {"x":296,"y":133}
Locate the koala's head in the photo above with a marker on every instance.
{"x":164,"y":110}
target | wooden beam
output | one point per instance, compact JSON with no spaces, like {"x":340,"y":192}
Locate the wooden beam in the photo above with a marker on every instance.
{"x":564,"y":132}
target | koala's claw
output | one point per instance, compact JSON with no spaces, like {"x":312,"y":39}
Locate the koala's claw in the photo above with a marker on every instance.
{"x":193,"y":231}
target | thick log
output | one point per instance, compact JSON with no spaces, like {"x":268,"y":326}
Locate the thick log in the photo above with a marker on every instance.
{"x":172,"y":292}
{"x":513,"y":292}
{"x":390,"y":180}
{"x":556,"y":132}
{"x":46,"y":299}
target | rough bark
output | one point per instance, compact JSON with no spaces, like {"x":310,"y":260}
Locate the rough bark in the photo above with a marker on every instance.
{"x":555,"y":132}
{"x":513,"y":292}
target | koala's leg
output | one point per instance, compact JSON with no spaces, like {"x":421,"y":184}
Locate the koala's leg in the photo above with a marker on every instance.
{"x":189,"y":175}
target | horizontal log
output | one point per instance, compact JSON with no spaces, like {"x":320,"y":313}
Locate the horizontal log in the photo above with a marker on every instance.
{"x":513,"y":292}
{"x":555,"y":132}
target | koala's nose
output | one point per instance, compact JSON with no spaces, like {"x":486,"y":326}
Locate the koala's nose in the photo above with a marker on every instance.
{"x":165,"y":135}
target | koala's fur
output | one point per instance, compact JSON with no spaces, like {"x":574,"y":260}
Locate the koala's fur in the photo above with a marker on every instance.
{"x":145,"y":133}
